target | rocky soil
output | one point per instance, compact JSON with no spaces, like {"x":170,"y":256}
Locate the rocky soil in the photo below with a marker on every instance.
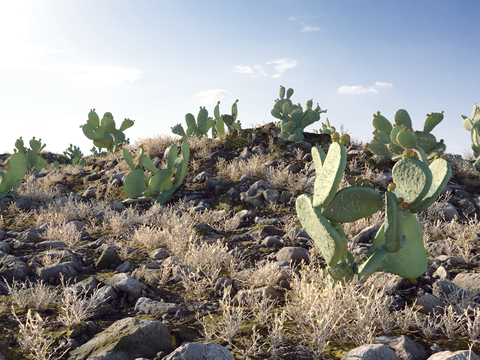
{"x":145,"y":308}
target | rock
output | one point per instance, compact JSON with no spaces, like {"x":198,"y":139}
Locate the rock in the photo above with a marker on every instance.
{"x":126,"y":339}
{"x":367,"y":235}
{"x":430,"y":304}
{"x":371,"y":352}
{"x":52,"y":274}
{"x":294,"y":254}
{"x":126,"y":284}
{"x":197,"y":351}
{"x":404,"y":347}
{"x":109,"y":259}
{"x":157,"y":308}
{"x":457,"y":355}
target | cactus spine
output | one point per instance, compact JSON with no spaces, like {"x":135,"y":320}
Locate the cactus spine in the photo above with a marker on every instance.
{"x":293,"y":120}
{"x":398,"y":246}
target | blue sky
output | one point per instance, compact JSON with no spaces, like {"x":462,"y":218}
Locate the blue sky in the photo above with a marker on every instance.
{"x":155,"y":61}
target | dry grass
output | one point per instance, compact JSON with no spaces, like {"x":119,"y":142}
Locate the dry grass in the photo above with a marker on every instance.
{"x":34,"y":295}
{"x":279,"y":178}
{"x":34,"y":340}
{"x":156,"y":146}
{"x":234,"y":169}
{"x":66,"y":232}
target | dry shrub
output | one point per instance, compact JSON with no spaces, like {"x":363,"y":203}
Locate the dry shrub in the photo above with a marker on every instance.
{"x":279,"y":178}
{"x":201,"y":146}
{"x":156,"y":146}
{"x":35,"y":295}
{"x":66,"y":232}
{"x":236,"y":168}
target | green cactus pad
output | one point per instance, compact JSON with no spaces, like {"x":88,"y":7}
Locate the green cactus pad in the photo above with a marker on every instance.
{"x":353,"y":203}
{"x":178,"y":130}
{"x":413,"y":179}
{"x":127,"y":123}
{"x":441,"y":173}
{"x":431,"y":121}
{"x":163,"y":197}
{"x":438,"y":150}
{"x":18,"y":165}
{"x":180,"y":174}
{"x":108,"y":123}
{"x":379,"y":148}
{"x":318,"y":156}
{"x":134,"y":185}
{"x":372,"y":263}
{"x":93,"y":119}
{"x":341,"y":272}
{"x":9,"y":181}
{"x":89,"y":131}
{"x":382,"y":124}
{"x":393,"y":225}
{"x":328,"y":240}
{"x":406,"y":139}
{"x":410,"y":261}
{"x":162,"y":180}
{"x":426,"y":141}
{"x":148,"y":164}
{"x":185,"y":152}
{"x":403,"y":118}
{"x":329,"y":177}
{"x":383,"y":137}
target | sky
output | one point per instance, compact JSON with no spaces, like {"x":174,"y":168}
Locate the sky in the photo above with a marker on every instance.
{"x":155,"y":61}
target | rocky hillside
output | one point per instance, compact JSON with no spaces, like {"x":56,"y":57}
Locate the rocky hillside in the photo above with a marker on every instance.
{"x":224,"y":269}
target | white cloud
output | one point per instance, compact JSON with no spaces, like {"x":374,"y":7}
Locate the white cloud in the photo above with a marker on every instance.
{"x":243,"y":69}
{"x":360,"y":89}
{"x":307,"y":28}
{"x":383,"y":84}
{"x":279,"y":66}
{"x":210,"y":96}
{"x":99,"y":76}
{"x":282,"y":65}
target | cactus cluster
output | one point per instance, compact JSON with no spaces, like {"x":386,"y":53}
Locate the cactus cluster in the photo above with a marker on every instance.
{"x":160,"y":185}
{"x":34,"y":161}
{"x":104,"y":133}
{"x":472,"y":124}
{"x":293,"y":120}
{"x":204,"y":123}
{"x":396,"y":138}
{"x":15,"y":169}
{"x":398,"y":245}
{"x":74,"y":155}
{"x":326,"y":128}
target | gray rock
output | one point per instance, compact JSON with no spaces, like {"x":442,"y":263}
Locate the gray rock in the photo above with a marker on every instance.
{"x":200,"y":351}
{"x":52,"y":274}
{"x":271,"y":241}
{"x":371,"y":352}
{"x":367,"y":235}
{"x":404,"y":347}
{"x":292,"y":253}
{"x":147,"y":306}
{"x":430,"y":304}
{"x":444,"y":211}
{"x":50,"y":244}
{"x":271,"y":195}
{"x":126,"y":284}
{"x":148,"y":276}
{"x":2,"y":234}
{"x":457,"y":355}
{"x":109,"y":259}
{"x":4,"y":247}
{"x":266,"y":292}
{"x":442,"y":273}
{"x":126,"y":339}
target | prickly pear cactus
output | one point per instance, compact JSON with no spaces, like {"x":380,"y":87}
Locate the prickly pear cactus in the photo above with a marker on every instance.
{"x":104,"y":132}
{"x":15,"y":169}
{"x":326,"y":128}
{"x":163,"y":183}
{"x":472,"y":124}
{"x":198,"y":127}
{"x":400,"y":136}
{"x":398,"y":246}
{"x":225,"y":119}
{"x":293,"y":120}
{"x":35,"y":162}
{"x":74,"y":155}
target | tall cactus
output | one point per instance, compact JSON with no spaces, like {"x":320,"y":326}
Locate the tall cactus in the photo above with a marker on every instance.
{"x":293,"y":120}
{"x":398,"y":246}
{"x":396,"y":138}
{"x":472,"y":124}
{"x":160,"y":186}
{"x":104,"y":133}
